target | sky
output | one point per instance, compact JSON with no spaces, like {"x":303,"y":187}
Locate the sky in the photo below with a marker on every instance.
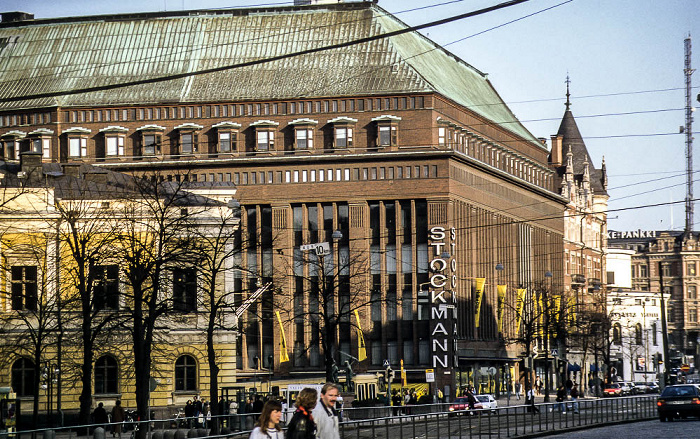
{"x":625,"y":60}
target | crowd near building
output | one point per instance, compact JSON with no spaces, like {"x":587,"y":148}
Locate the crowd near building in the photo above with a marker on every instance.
{"x":393,"y":211}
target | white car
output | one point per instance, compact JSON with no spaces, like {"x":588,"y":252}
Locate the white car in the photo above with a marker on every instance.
{"x":627,"y":388}
{"x":486,"y":402}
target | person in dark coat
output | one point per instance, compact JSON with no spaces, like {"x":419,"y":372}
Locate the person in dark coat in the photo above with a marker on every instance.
{"x":189,"y":412}
{"x":100,"y":414}
{"x":118,"y":416}
{"x":302,"y":425}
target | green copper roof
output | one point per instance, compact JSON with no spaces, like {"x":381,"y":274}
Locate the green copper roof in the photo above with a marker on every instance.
{"x":63,"y":54}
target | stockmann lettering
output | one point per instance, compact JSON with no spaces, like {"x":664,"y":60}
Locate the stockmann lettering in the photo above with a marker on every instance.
{"x":613,"y":234}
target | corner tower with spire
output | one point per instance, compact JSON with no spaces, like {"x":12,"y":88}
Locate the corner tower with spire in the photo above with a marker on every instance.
{"x":585,"y":233}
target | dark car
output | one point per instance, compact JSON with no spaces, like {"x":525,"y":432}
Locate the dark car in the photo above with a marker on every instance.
{"x":678,"y":401}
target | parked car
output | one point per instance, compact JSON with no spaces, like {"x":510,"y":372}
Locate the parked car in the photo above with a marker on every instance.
{"x":483,"y":402}
{"x":678,"y":401}
{"x":640,"y":387}
{"x":612,"y":390}
{"x":627,"y":388}
{"x":460,"y":404}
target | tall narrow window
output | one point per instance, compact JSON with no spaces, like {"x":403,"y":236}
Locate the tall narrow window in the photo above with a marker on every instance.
{"x":106,"y":375}
{"x":114,"y":137}
{"x":638,"y":334}
{"x":24,"y":287}
{"x":185,"y":289}
{"x":11,"y":142}
{"x":41,"y":141}
{"x":105,"y":288}
{"x":617,"y":333}
{"x":185,"y":374}
{"x":23,"y":377}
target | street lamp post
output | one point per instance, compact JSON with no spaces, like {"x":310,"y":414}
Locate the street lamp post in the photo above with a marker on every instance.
{"x":499,"y":269}
{"x":545,"y":302}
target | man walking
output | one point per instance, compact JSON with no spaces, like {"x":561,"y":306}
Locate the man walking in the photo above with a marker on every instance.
{"x":324,"y":413}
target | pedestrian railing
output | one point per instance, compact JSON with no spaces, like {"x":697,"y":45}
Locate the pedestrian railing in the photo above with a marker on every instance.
{"x":430,"y":421}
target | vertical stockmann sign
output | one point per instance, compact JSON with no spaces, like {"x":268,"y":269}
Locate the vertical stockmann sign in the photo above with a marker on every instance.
{"x":443,"y":299}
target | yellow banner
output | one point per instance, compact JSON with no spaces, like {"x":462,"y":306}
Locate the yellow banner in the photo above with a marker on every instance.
{"x":572,"y":310}
{"x":480,"y":282}
{"x":361,"y":347}
{"x":403,"y":375}
{"x":557,"y":308}
{"x":284,"y":356}
{"x":519,"y":307}
{"x":501,"y":303}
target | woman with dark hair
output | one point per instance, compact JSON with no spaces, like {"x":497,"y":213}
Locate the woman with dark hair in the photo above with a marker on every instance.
{"x":268,"y":422}
{"x":302,"y":425}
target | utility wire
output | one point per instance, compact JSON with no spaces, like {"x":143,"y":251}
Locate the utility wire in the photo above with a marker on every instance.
{"x":265,"y":60}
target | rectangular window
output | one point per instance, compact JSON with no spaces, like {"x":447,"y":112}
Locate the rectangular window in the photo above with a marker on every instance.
{"x":266,"y":140}
{"x":184,"y":289}
{"x":24,"y":288}
{"x":692,"y":292}
{"x":77,"y":146}
{"x":150,"y":142}
{"x":105,"y":287}
{"x":115,"y":145}
{"x":691,"y":269}
{"x":225,"y":142}
{"x":46,"y":148}
{"x":343,"y":137}
{"x":304,"y":138}
{"x":693,"y":315}
{"x":187,"y":143}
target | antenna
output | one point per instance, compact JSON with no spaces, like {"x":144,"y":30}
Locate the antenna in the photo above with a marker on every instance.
{"x":688,"y":139}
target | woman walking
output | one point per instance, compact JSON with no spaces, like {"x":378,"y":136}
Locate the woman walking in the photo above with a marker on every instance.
{"x":268,"y":423}
{"x":302,"y":425}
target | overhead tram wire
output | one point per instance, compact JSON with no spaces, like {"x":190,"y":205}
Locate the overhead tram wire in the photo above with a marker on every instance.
{"x":265,"y":60}
{"x":187,"y":50}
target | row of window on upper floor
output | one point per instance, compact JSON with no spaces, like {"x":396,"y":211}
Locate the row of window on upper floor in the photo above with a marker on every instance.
{"x":225,"y":137}
{"x":105,"y":287}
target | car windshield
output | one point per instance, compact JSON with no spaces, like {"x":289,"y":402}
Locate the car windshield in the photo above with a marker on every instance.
{"x":483,"y":398}
{"x":613,"y":386}
{"x":461,"y":400}
{"x":640,"y":384}
{"x":680,"y":391}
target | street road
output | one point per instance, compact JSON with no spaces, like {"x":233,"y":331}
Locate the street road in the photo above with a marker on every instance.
{"x":683,"y":429}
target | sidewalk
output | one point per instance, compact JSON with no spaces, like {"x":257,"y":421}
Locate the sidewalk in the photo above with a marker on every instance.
{"x":539,"y":399}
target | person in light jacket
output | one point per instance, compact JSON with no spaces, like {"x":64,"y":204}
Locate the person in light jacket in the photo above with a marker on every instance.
{"x":325,"y":415}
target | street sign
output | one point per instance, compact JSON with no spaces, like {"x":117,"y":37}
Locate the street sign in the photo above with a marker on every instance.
{"x":386,"y":364}
{"x":555,"y":352}
{"x":685,"y":367}
{"x":321,"y":248}
{"x":429,"y":375}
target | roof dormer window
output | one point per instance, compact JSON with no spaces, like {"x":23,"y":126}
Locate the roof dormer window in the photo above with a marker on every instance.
{"x":151,"y":139}
{"x":343,"y":128}
{"x":304,"y":133}
{"x":227,"y":136}
{"x":77,"y":141}
{"x":11,"y":144}
{"x":189,"y":138}
{"x":41,"y":141}
{"x":114,"y":140}
{"x":265,"y":134}
{"x":387,"y":130}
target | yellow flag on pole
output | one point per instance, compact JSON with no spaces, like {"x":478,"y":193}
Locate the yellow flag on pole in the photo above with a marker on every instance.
{"x":284,"y":356}
{"x":480,"y":282}
{"x":519,"y":306}
{"x":501,"y":304}
{"x":361,"y":347}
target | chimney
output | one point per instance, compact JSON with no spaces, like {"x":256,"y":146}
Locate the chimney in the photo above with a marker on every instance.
{"x":96,"y":176}
{"x":556,"y":155}
{"x":15,"y":17}
{"x":72,"y":169}
{"x":30,"y":166}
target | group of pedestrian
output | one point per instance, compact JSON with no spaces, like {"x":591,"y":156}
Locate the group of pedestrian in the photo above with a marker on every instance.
{"x":314,"y":418}
{"x":564,"y":392}
{"x":99,"y":416}
{"x":197,"y":412}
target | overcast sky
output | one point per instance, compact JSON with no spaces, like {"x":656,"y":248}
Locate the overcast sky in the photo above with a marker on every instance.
{"x":623,"y":56}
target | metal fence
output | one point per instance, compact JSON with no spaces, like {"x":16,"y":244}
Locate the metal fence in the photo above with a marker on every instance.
{"x":432,"y":421}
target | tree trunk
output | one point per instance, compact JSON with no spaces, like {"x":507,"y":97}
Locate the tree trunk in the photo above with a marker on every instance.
{"x":213,"y":376}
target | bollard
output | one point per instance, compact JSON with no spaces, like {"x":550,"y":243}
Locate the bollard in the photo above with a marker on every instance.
{"x":192,"y":433}
{"x":180,"y":434}
{"x":170,"y":434}
{"x":50,"y":434}
{"x":99,"y":433}
{"x":202,"y":432}
{"x":157,"y":434}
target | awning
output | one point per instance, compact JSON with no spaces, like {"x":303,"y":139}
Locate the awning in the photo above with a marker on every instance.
{"x":594,"y":368}
{"x":574,"y":367}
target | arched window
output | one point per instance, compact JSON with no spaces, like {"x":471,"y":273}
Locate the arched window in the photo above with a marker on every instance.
{"x":617,"y":333}
{"x":638,"y":333}
{"x":106,"y":375}
{"x":23,"y":377}
{"x":185,"y":373}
